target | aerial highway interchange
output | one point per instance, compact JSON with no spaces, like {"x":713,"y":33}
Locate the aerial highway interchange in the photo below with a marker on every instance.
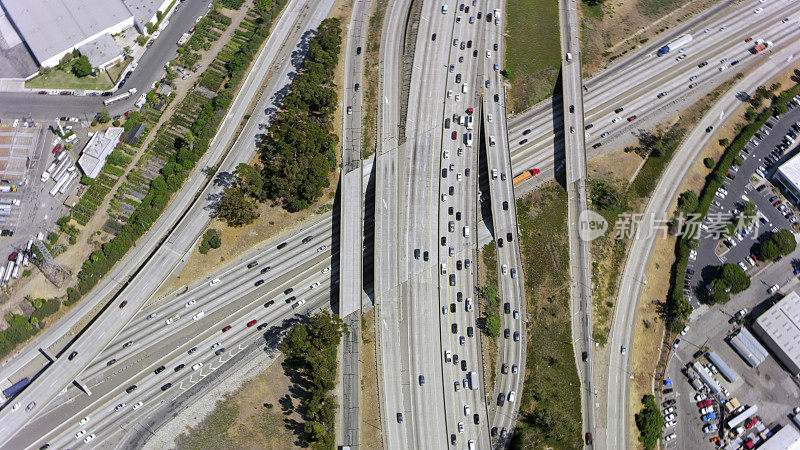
{"x":136,"y":358}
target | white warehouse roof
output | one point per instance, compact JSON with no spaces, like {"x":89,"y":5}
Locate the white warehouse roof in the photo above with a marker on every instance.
{"x":787,"y":438}
{"x":94,"y":155}
{"x":50,"y":28}
{"x":779,"y":328}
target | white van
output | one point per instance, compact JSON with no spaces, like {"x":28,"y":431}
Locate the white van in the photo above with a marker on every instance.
{"x":491,"y":141}
{"x":494,"y":174}
{"x":468,"y":139}
{"x":466,"y":230}
{"x":469,"y":122}
{"x":197,"y":366}
{"x":444,"y":8}
{"x":199,"y":315}
{"x":569,"y":56}
{"x":468,"y":304}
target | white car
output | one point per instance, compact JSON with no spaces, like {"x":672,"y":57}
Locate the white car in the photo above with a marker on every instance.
{"x":120,"y":406}
{"x":684,"y":330}
{"x":758,"y":10}
{"x":616,"y":119}
{"x":723,"y":28}
{"x":466,"y":410}
{"x":84,"y":420}
{"x":190,"y":303}
{"x":460,"y":427}
{"x":699,"y":397}
{"x":489,"y":118}
{"x":213,"y":282}
{"x":623,"y":349}
{"x":488,"y":53}
{"x":217,"y":344}
{"x":315,"y":285}
{"x":669,"y":410}
{"x":326,"y":270}
{"x":774,"y":288}
{"x":322,"y":248}
{"x":458,"y":97}
{"x":88,"y":438}
{"x":137,"y":404}
{"x":512,"y":396}
{"x":16,"y":405}
{"x":707,"y":410}
{"x":722,"y":68}
{"x":79,"y":434}
{"x":669,"y":437}
{"x":197,"y":366}
{"x":670,"y":417}
{"x":670,"y":424}
{"x":742,"y":265}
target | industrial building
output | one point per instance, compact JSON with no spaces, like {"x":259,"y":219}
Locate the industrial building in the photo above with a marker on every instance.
{"x":93,"y":157}
{"x":723,"y":367}
{"x":748,"y":347}
{"x":788,"y":176}
{"x":779,"y":329}
{"x":49,"y":29}
{"x":17,"y":145}
{"x":787,"y":438}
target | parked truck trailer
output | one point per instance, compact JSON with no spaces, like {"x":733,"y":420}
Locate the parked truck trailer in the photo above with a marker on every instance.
{"x":677,"y":43}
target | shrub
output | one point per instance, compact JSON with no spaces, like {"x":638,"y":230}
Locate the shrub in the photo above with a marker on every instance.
{"x":82,"y":67}
{"x":708,"y":162}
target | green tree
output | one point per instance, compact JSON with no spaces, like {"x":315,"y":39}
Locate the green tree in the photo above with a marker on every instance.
{"x":605,"y":196}
{"x":248,"y":179}
{"x":104,"y":116}
{"x":785,"y":241}
{"x":236,"y":208}
{"x":724,"y":142}
{"x":82,"y":67}
{"x":708,"y":162}
{"x":649,"y":421}
{"x":492,"y":325}
{"x":687,"y":202}
{"x":733,"y":276}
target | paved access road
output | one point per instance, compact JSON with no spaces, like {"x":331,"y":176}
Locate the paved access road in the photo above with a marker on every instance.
{"x":622,"y":328}
{"x":635,"y":82}
{"x":155,"y":253}
{"x":149,"y":69}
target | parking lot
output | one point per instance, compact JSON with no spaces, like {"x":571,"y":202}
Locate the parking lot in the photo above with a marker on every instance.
{"x":33,"y":210}
{"x":743,"y":184}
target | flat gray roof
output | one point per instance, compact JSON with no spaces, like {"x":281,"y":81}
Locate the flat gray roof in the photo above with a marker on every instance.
{"x":145,"y":10}
{"x":781,"y":324}
{"x":787,"y":438}
{"x":790,"y":170}
{"x":101,"y":50}
{"x":93,"y":157}
{"x":51,"y":26}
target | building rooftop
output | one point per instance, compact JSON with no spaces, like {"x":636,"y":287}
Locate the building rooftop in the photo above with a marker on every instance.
{"x":101,"y":50}
{"x":790,"y":170}
{"x":144,"y":10}
{"x":787,"y":438}
{"x":51,"y":26}
{"x":93,"y":156}
{"x":16,"y":146}
{"x":749,"y":348}
{"x":781,"y":323}
{"x":15,"y":59}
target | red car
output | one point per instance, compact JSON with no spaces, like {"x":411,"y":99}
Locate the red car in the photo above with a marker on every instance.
{"x":454,"y":135}
{"x":704,"y":403}
{"x":226,"y":328}
{"x":469,"y":111}
{"x":748,"y":39}
{"x":251,"y":323}
{"x":42,"y":92}
{"x":632,"y":118}
{"x":55,"y":149}
{"x":777,"y":203}
{"x":122,"y":305}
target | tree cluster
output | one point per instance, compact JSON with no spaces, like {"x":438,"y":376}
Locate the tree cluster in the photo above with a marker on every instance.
{"x":237,"y":204}
{"x":311,"y":357}
{"x":82,"y":67}
{"x":21,"y":327}
{"x":649,"y":421}
{"x":777,"y":245}
{"x":605,"y":195}
{"x":730,"y":279}
{"x":298,"y":153}
{"x":210,"y":240}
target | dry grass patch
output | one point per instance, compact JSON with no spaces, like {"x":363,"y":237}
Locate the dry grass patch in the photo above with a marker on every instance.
{"x":370,"y":400}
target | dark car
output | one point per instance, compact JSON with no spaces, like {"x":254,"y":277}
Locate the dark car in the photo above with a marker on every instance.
{"x":220,"y":351}
{"x":452,"y":307}
{"x":453,"y":439}
{"x":259,"y":283}
{"x":667,"y":391}
{"x":572,"y":108}
{"x":262,"y":326}
{"x":194,"y":349}
{"x":288,"y":291}
{"x":252,"y":264}
{"x":416,"y":253}
{"x":425,"y":255}
{"x":444,"y":240}
{"x":179,"y":367}
{"x":632,"y":118}
{"x":110,"y":362}
{"x":501,"y":399}
{"x":496,"y":97}
{"x":228,"y":327}
{"x":130,"y":389}
{"x":454,"y":135}
{"x":507,"y":308}
{"x":307,"y":239}
{"x":464,"y":365}
{"x":159,"y":370}
{"x":269,"y":303}
{"x":708,"y":130}
{"x":281,"y":245}
{"x":399,"y":417}
{"x":422,"y":380}
{"x":584,"y":356}
{"x":506,"y":333}
{"x":265,"y":270}
{"x":494,"y":429}
{"x":291,"y":299}
{"x":504,"y":369}
{"x":595,"y":146}
{"x":516,"y":336}
{"x":619,"y":110}
{"x":505,"y":205}
{"x":166,"y":386}
{"x":476,"y":418}
{"x":358,"y":50}
{"x":444,"y":171}
{"x":122,"y":305}
{"x":588,"y":438}
{"x":454,"y":328}
{"x":251,"y":323}
{"x":500,"y":242}
{"x":458,"y":265}
{"x":72,"y":355}
{"x":452,"y":279}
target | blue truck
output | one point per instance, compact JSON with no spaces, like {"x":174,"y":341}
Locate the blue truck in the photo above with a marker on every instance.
{"x":709,"y":416}
{"x":677,"y":43}
{"x":16,"y":388}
